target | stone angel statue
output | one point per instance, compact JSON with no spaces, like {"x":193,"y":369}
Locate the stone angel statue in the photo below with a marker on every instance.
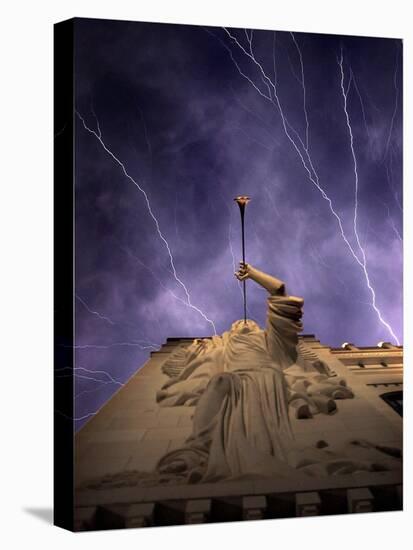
{"x":244,"y":385}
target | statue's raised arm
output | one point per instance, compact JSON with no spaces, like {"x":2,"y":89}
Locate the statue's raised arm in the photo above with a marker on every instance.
{"x":283,"y":318}
{"x":270,"y":283}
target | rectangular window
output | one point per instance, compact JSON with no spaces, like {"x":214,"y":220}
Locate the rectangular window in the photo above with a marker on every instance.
{"x":395,"y":400}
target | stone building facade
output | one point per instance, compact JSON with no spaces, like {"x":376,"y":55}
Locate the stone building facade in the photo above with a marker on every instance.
{"x":131,"y":432}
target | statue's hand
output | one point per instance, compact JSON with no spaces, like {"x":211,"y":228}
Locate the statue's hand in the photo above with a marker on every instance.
{"x":274,"y":286}
{"x":244,"y":271}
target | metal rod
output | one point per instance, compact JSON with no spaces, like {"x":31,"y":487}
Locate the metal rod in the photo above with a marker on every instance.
{"x":244,"y":286}
{"x":242,"y":202}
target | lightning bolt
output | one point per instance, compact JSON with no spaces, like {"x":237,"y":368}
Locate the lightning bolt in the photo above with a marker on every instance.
{"x":388,"y":164}
{"x":111,"y":380}
{"x":83,"y":377}
{"x":355,"y":218}
{"x":389,"y":149}
{"x":390,"y":181}
{"x":98,"y":135}
{"x":396,"y":103}
{"x":77,"y":418}
{"x":289,"y":130}
{"x":89,"y":371}
{"x":151,"y":271}
{"x":252,"y":138}
{"x":272,"y":201}
{"x":252,"y":83}
{"x":388,"y":159}
{"x":94,"y":390}
{"x":391,"y":222}
{"x":263,"y":122}
{"x":115,"y":344}
{"x":93,"y":312}
{"x":142,"y":344}
{"x":302,"y":151}
{"x":363,"y":110}
{"x":249,"y":37}
{"x":148,"y":343}
{"x":307,"y":125}
{"x":316,"y":256}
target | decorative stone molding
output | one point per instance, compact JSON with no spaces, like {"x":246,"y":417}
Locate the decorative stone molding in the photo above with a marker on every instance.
{"x":359,"y":501}
{"x":197,"y":511}
{"x":253,"y":507}
{"x":307,"y":504}
{"x":140,"y":515}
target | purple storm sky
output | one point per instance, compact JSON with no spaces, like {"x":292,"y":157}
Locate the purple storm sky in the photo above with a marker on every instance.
{"x":196,"y":116}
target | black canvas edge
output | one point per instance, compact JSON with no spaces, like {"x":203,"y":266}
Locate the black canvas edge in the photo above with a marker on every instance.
{"x":63,"y":171}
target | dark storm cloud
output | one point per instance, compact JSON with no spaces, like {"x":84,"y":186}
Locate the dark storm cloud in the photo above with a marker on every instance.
{"x":193,"y":133}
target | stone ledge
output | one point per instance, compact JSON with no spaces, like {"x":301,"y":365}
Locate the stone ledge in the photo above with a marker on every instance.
{"x":89,"y":497}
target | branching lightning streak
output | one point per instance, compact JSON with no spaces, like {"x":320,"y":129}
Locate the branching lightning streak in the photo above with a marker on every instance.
{"x":316,"y":256}
{"x":98,"y":136}
{"x":309,"y":168}
{"x":84,"y":377}
{"x":113,"y":323}
{"x":253,"y":139}
{"x":115,"y":344}
{"x":355,"y":218}
{"x":366,"y":126}
{"x":396,"y":104}
{"x":77,"y":418}
{"x":89,"y":371}
{"x":391,"y":222}
{"x":94,"y":390}
{"x":88,"y":415}
{"x":263,"y":122}
{"x":272,"y":201}
{"x":363,"y":110}
{"x":295,"y":75}
{"x":238,"y":67}
{"x":161,"y":284}
{"x":396,"y":231}
{"x":390,"y":182}
{"x":388,"y":159}
{"x":103,"y":317}
{"x":249,"y":38}
{"x":300,"y":55}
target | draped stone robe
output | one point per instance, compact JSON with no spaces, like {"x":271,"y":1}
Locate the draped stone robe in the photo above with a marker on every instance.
{"x":247,"y":432}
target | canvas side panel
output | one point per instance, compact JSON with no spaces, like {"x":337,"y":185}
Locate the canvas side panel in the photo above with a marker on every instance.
{"x":63,"y":273}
